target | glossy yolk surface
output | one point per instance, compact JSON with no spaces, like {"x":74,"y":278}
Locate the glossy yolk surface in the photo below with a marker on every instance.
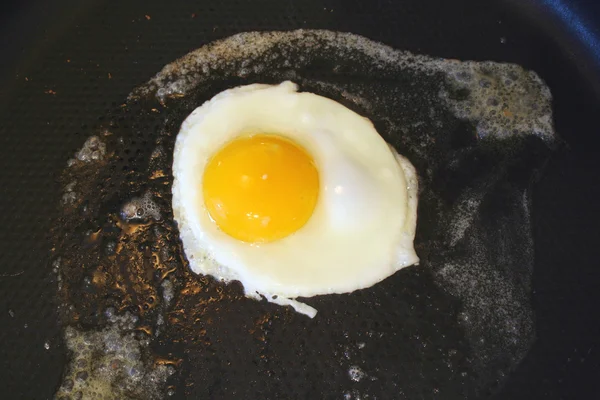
{"x":260,"y":188}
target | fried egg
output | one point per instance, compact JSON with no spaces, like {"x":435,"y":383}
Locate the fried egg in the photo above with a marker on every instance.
{"x":292,"y":194}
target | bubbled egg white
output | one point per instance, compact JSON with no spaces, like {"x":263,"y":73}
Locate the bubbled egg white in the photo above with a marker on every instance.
{"x":363,"y":224}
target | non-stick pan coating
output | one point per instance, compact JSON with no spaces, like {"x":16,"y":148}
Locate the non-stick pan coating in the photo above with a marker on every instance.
{"x":74,"y":64}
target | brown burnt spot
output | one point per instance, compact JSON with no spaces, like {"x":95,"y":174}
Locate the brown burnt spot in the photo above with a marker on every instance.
{"x":93,"y":237}
{"x":145,"y":329}
{"x":175,"y":95}
{"x":260,"y":328}
{"x":100,"y":278}
{"x":175,"y":362}
{"x":131,"y":228}
{"x":158,"y":174}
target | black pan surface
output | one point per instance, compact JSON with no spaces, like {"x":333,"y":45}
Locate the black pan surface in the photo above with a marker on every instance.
{"x":75,"y":61}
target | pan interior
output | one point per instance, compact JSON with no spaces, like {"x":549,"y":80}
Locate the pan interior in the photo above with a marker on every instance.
{"x":456,"y":325}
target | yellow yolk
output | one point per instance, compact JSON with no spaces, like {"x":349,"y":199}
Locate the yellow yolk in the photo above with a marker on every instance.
{"x":260,"y":188}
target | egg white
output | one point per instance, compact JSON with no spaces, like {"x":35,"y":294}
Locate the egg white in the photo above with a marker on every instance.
{"x":363,"y":225}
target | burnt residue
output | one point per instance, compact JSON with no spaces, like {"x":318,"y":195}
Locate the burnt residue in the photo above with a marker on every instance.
{"x":454,"y":326}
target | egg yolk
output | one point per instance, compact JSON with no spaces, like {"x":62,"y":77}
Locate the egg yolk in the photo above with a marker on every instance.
{"x":260,"y":188}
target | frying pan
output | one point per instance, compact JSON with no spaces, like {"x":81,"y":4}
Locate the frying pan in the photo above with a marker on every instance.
{"x":55,"y":73}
